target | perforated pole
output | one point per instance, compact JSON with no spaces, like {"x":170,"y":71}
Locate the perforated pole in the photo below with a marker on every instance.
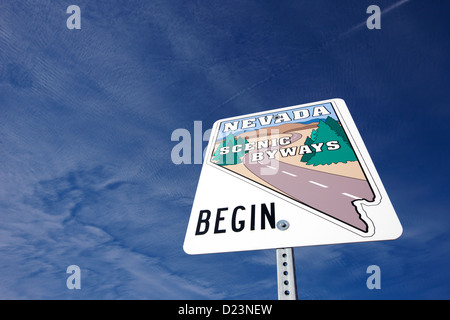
{"x":287,"y":284}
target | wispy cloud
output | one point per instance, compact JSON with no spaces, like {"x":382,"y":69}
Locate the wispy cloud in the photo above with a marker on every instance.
{"x":104,"y":226}
{"x":322,"y":46}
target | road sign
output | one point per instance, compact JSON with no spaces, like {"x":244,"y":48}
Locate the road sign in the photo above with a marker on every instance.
{"x":290,"y":177}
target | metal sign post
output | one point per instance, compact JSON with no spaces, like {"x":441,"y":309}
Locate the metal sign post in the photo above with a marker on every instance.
{"x":287,"y":284}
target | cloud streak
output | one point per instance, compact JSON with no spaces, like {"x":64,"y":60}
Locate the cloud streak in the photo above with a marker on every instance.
{"x":324,"y":45}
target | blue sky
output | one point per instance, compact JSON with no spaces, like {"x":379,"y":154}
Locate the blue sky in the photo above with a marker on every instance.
{"x":86,"y":118}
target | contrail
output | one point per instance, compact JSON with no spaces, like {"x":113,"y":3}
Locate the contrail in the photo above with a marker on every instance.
{"x":395,"y":5}
{"x":383,"y":12}
{"x":322,"y":46}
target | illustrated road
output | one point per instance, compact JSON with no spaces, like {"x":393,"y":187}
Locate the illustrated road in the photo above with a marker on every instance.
{"x":328,"y":193}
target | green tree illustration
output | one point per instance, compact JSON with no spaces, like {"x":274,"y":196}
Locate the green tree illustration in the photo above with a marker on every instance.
{"x":313,"y":135}
{"x":329,"y":130}
{"x":336,"y":127}
{"x":220,"y":159}
{"x":230,"y":158}
{"x":307,"y":156}
{"x":242,"y":142}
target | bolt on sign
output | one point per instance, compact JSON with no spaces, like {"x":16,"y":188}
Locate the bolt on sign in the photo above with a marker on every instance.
{"x":290,"y":177}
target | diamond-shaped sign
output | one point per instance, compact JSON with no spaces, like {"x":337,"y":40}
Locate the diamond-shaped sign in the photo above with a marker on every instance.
{"x":289,"y":177}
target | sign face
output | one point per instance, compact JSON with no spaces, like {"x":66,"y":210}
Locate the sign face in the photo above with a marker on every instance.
{"x":296,"y":176}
